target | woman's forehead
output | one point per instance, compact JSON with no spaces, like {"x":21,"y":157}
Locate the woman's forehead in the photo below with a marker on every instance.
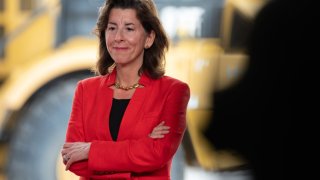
{"x":118,"y":14}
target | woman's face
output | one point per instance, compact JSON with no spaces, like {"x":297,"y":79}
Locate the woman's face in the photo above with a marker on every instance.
{"x":126,"y":37}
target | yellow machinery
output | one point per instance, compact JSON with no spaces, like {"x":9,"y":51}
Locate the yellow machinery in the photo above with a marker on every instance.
{"x":46,"y":46}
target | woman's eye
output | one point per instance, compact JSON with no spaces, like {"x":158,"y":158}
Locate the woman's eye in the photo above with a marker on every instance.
{"x":111,"y":28}
{"x":130,"y":29}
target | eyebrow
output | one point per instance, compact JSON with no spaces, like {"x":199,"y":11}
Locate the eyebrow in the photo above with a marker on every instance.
{"x":129,"y":24}
{"x":112,"y":23}
{"x":126,"y":24}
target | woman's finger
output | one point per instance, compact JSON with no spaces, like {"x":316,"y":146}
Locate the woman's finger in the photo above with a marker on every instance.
{"x":165,"y":131}
{"x":65,"y":158}
{"x":161,"y":123}
{"x":159,"y":131}
{"x":70,"y":148}
{"x":64,"y":151}
{"x":69,"y":162}
{"x":158,"y":126}
{"x":156,"y":136}
{"x":162,"y":128}
{"x":68,"y":144}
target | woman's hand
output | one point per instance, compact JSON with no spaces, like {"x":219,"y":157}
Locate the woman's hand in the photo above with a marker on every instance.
{"x":159,"y":131}
{"x":76,"y":151}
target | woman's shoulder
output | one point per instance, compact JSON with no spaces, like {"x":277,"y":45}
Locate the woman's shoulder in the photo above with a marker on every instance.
{"x":174,"y":86}
{"x":171,"y":81}
{"x":92,"y":81}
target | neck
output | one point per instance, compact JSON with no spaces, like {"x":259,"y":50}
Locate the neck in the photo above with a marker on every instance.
{"x":127,"y":76}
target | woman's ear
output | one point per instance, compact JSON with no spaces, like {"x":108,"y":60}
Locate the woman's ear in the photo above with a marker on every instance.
{"x":150,"y":39}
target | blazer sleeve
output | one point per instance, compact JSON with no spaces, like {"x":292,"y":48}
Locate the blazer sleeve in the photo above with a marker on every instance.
{"x":145,"y":154}
{"x":75,"y":132}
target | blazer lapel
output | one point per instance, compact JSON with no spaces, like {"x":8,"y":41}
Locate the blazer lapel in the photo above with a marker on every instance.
{"x":106,"y":103}
{"x":134,"y":109}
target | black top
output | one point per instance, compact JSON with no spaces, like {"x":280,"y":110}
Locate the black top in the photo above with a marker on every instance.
{"x":117,"y":111}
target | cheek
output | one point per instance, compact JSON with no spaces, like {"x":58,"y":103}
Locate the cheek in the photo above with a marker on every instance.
{"x":108,"y":43}
{"x":107,"y":39}
{"x":136,"y":39}
{"x":138,"y":43}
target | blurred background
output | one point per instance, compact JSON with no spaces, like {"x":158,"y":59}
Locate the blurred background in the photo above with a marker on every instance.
{"x":46,"y":46}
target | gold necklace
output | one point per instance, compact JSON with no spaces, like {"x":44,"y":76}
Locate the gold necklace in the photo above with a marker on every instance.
{"x":119,"y":86}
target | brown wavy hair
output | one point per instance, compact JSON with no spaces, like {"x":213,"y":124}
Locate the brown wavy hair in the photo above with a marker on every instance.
{"x":154,"y":57}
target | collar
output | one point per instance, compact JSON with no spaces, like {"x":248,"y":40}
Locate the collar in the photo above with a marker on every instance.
{"x":144,"y":80}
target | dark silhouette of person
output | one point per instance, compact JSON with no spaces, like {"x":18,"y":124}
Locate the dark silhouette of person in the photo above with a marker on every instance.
{"x":255,"y":117}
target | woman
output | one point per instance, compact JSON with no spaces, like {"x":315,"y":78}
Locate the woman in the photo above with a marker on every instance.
{"x":120,"y":120}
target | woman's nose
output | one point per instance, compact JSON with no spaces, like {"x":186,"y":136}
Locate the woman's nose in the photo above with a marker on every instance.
{"x":119,"y":35}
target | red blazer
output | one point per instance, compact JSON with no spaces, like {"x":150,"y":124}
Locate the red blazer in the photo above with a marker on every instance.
{"x":134,"y":155}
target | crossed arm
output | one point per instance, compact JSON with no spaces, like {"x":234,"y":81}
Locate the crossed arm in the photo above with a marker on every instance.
{"x":78,"y":151}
